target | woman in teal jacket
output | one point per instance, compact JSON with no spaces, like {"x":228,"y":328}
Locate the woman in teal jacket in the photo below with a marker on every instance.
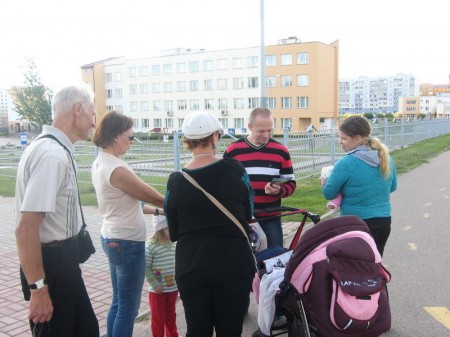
{"x":365,"y":177}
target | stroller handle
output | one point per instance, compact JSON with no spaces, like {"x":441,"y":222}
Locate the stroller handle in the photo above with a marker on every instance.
{"x":315,"y":218}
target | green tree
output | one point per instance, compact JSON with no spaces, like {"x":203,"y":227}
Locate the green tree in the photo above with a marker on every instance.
{"x":32,"y":100}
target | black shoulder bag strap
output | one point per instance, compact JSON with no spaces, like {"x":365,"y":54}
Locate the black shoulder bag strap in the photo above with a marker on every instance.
{"x":74,"y":171}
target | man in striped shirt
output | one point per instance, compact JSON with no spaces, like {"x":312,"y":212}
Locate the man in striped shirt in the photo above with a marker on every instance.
{"x":264,"y":159}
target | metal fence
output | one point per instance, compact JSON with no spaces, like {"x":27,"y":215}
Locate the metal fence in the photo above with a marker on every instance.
{"x":310,"y":150}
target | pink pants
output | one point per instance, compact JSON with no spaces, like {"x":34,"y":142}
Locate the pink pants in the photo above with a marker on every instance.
{"x":162,"y":308}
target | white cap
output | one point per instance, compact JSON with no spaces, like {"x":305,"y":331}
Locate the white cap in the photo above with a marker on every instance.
{"x":159,"y":222}
{"x":199,"y":125}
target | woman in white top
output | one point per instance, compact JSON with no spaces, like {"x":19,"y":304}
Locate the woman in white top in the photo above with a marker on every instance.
{"x":119,"y":193}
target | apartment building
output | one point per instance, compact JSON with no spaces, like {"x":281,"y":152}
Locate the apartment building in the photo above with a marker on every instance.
{"x":376,"y":95}
{"x":5,"y":105}
{"x":300,"y":86}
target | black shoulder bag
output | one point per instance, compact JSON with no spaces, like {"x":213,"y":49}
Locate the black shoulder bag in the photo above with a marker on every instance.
{"x":85,"y":245}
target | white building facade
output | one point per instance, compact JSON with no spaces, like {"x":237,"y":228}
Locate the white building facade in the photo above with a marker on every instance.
{"x":159,"y":92}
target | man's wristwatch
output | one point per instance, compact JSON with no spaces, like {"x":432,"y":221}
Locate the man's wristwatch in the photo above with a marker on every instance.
{"x":38,"y":284}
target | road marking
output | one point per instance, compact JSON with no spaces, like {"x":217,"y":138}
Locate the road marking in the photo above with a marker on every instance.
{"x":412,"y":246}
{"x":428,"y":204}
{"x":441,"y":314}
{"x":426,"y":215}
{"x":407,"y":228}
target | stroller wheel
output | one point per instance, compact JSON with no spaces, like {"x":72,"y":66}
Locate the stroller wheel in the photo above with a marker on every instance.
{"x":258,"y":333}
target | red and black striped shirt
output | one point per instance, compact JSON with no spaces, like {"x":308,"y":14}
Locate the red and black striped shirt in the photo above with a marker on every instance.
{"x":263,"y":163}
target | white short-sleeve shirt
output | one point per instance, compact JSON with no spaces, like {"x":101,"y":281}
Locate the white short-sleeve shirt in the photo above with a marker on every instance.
{"x":46,"y":182}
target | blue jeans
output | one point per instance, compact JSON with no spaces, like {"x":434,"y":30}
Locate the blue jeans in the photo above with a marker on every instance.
{"x":274,"y":232}
{"x":127,"y":266}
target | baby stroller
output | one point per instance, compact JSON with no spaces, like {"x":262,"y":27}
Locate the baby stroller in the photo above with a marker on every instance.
{"x":334,"y":284}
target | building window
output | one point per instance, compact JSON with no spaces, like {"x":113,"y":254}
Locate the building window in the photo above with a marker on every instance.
{"x":156,"y":105}
{"x":270,"y":81}
{"x":223,"y":103}
{"x":135,"y":122}
{"x":182,"y":105}
{"x":238,"y":63}
{"x":144,"y":88}
{"x":181,"y":86}
{"x":180,"y":122}
{"x":286,"y":81}
{"x":238,"y":103}
{"x":286,"y":102}
{"x":224,"y":122}
{"x":109,"y":93}
{"x":238,"y":83}
{"x":119,"y":108}
{"x":193,"y":85}
{"x":302,"y":58}
{"x":133,"y":89}
{"x":253,"y":82}
{"x":252,"y":62}
{"x":271,"y":60}
{"x":117,"y":76}
{"x":194,"y":104}
{"x":156,"y":88}
{"x":118,"y":92}
{"x":167,"y":68}
{"x":156,"y":69}
{"x":109,"y":108}
{"x":271,"y":102}
{"x":169,"y":123}
{"x":133,"y":106}
{"x":144,"y":105}
{"x":143,"y":71}
{"x":145,"y":122}
{"x":132,"y":71}
{"x":222,"y":64}
{"x":193,"y":66}
{"x":253,"y":102}
{"x":239,"y":123}
{"x":302,"y":102}
{"x":286,"y":59}
{"x":168,"y":105}
{"x":208,"y":85}
{"x":222,"y":84}
{"x":302,"y":80}
{"x":209,"y":104}
{"x":108,"y":77}
{"x":208,"y":65}
{"x":181,"y":68}
{"x":157,"y":123}
{"x":286,"y":123}
{"x":167,"y":87}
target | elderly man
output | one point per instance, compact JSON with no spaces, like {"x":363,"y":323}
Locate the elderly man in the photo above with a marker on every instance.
{"x":48,"y":221}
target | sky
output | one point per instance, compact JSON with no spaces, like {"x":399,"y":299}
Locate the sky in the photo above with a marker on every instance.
{"x":380,"y":38}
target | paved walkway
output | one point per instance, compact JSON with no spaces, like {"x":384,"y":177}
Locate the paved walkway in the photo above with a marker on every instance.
{"x":13,"y":309}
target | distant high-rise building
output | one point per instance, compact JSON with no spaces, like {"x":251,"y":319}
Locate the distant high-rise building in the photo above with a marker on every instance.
{"x":300,"y":85}
{"x":375,"y":95}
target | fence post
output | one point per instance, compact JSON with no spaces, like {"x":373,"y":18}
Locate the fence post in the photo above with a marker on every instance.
{"x":333,"y":142}
{"x":176,"y":151}
{"x":402,"y":132}
{"x":386,"y":131}
{"x":286,"y":137}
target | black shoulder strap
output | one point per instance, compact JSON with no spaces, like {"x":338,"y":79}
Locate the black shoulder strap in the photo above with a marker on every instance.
{"x":74,"y":170}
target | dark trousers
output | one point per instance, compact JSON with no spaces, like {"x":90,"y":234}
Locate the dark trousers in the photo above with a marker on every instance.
{"x":380,"y":228}
{"x":214,"y":300}
{"x":73,"y":315}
